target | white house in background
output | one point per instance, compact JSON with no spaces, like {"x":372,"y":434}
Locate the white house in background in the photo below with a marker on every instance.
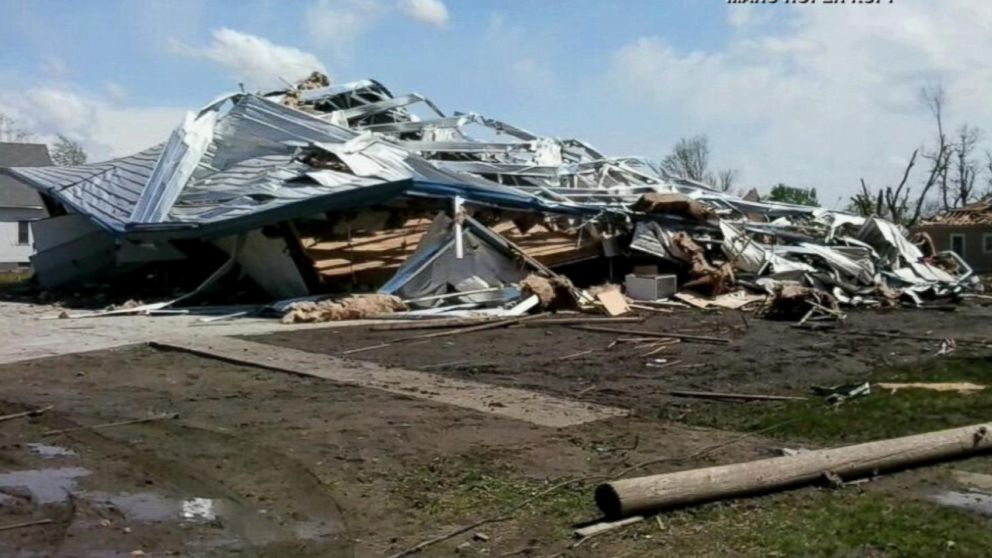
{"x":19,"y":204}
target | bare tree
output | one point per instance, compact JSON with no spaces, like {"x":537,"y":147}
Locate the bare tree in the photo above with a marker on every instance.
{"x":894,"y":203}
{"x":67,"y":152}
{"x":11,"y":132}
{"x":988,"y":170}
{"x":726,"y":179}
{"x":889,"y":203}
{"x":690,"y":158}
{"x":966,"y":169}
{"x":935,"y":99}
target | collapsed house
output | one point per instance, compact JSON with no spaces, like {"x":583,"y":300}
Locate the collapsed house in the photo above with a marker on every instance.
{"x":336,"y":188}
{"x":966,"y":231}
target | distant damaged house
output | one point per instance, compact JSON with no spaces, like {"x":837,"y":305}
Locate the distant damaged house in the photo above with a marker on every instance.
{"x":336,"y":188}
{"x":20,"y":204}
{"x":967,"y":231}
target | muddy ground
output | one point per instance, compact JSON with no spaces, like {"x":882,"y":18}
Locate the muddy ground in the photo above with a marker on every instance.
{"x":764,"y":356}
{"x":262,"y":463}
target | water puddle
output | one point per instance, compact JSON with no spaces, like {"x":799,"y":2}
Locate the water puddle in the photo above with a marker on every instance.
{"x":246,"y":523}
{"x":148,"y":507}
{"x":204,"y":509}
{"x":976,"y":502}
{"x":46,"y":486}
{"x":47,"y":451}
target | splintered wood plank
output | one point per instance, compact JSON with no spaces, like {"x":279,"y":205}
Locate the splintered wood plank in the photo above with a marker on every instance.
{"x":528,"y":406}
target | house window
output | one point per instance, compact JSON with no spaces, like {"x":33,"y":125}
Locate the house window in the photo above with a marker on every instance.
{"x":23,"y":233}
{"x":987,"y":243}
{"x":957,"y":244}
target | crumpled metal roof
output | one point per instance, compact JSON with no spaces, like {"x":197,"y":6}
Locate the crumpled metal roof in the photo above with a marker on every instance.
{"x":235,"y":167}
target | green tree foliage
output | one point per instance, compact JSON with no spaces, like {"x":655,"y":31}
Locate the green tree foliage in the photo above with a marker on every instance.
{"x":783,"y":193}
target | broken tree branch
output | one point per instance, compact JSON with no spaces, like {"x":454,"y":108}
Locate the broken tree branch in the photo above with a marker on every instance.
{"x":590,"y":531}
{"x":32,"y":413}
{"x":25,"y":524}
{"x":113,"y":424}
{"x":658,"y":334}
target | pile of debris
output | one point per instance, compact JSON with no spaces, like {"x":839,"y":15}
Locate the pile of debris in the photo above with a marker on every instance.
{"x":326,"y":188}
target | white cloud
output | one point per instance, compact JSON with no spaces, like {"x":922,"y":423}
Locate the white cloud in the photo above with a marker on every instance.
{"x":339,"y":23}
{"x":254,"y":61}
{"x":829,"y":97}
{"x":432,"y":12}
{"x":105,"y":128}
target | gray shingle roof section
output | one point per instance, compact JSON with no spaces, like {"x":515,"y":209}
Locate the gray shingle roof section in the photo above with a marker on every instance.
{"x":13,"y":193}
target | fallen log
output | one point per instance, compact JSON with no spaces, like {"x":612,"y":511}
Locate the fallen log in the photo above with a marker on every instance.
{"x":734,"y":396}
{"x":661,"y":335}
{"x":644,"y":495}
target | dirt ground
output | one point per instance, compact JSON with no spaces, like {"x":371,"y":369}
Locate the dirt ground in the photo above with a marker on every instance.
{"x":764,"y":356}
{"x":264,"y":463}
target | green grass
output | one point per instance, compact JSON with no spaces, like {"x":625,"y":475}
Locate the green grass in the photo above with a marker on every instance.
{"x":806,"y":522}
{"x":456,"y":489}
{"x":879,"y":415}
{"x":811,"y":522}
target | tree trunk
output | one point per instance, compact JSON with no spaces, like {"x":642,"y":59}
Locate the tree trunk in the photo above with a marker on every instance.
{"x":648,"y":494}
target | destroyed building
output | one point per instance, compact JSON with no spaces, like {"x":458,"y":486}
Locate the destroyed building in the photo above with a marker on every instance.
{"x":335,"y":188}
{"x":967,"y":231}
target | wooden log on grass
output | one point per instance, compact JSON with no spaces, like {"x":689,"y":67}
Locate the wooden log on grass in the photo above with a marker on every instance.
{"x":644,"y":495}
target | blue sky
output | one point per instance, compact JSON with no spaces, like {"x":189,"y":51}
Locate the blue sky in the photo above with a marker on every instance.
{"x":810,"y":95}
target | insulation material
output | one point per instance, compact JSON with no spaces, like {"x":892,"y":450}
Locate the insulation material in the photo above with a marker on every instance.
{"x":539,"y":287}
{"x":790,"y":301}
{"x":715,"y":279}
{"x":678,"y":204}
{"x":350,"y":308}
